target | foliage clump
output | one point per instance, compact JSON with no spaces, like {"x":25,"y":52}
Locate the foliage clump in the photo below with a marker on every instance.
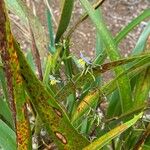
{"x":65,"y":94}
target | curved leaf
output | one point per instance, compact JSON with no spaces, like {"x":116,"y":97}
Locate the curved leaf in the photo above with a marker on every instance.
{"x":142,"y":88}
{"x":102,"y":141}
{"x":50,"y":112}
{"x":6,"y":113}
{"x":7,"y":137}
{"x":51,"y":33}
{"x":113,"y":53}
{"x":91,"y":98}
{"x":65,"y":18}
{"x":14,"y":82}
{"x":141,"y":43}
{"x":145,"y":14}
{"x":79,"y":80}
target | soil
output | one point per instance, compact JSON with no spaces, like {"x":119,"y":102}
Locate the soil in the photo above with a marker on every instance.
{"x":117,"y":14}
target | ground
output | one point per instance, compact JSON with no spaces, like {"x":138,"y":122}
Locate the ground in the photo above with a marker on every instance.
{"x":116,"y":13}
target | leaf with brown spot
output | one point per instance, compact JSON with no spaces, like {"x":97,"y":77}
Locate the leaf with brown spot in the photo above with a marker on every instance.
{"x":44,"y":103}
{"x":14,"y":79}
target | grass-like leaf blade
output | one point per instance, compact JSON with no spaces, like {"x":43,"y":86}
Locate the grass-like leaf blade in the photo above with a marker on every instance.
{"x":145,"y":14}
{"x":113,"y":53}
{"x":102,"y":141}
{"x":65,"y":18}
{"x":57,"y":122}
{"x":51,"y":32}
{"x":7,"y":137}
{"x":91,"y":98}
{"x":14,"y":83}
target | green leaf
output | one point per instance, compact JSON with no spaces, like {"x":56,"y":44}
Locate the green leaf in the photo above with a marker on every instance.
{"x":51,"y":63}
{"x":122,"y":34}
{"x":145,"y":14}
{"x":67,"y":60}
{"x":142,"y":82}
{"x":65,"y":18}
{"x":141,"y":43}
{"x":113,"y":53}
{"x":114,"y":108}
{"x":82,"y":18}
{"x":99,"y":43}
{"x":142,"y":88}
{"x":146,"y":145}
{"x":49,"y":110}
{"x":91,"y":98}
{"x":7,"y":137}
{"x":88,"y":102}
{"x":102,"y":141}
{"x":6,"y":113}
{"x":100,"y":49}
{"x":51,"y":32}
{"x":87,"y":78}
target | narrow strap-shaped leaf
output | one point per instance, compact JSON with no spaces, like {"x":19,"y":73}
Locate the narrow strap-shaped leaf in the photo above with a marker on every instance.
{"x":65,"y":18}
{"x":142,"y":88}
{"x":7,"y":137}
{"x":123,"y":33}
{"x":145,"y":14}
{"x":142,"y":139}
{"x":88,"y":102}
{"x":141,"y":43}
{"x":9,"y":56}
{"x":146,"y":145}
{"x":51,"y":64}
{"x":4,"y":101}
{"x":100,"y":52}
{"x":106,"y":138}
{"x":142,"y":85}
{"x":91,"y":98}
{"x":68,"y":62}
{"x":133,"y":71}
{"x":51,"y":32}
{"x":112,"y":52}
{"x":6,"y":113}
{"x":69,"y":87}
{"x":50,"y":112}
{"x":83,"y":17}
